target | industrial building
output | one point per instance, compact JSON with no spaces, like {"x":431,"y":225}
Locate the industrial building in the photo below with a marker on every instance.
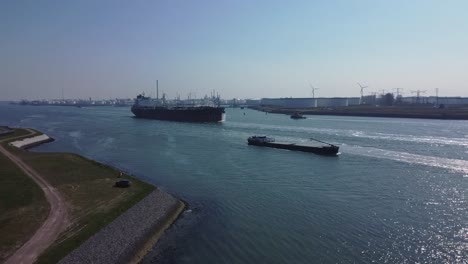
{"x":349,"y":101}
{"x":436,"y":100}
{"x":310,"y":102}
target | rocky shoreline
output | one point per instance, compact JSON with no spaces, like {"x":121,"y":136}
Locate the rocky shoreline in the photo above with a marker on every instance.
{"x":128,"y":238}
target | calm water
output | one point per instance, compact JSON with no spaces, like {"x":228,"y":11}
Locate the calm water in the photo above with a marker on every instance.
{"x":398,"y":193}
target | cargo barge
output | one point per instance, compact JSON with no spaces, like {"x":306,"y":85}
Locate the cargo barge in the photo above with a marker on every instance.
{"x":263,"y":141}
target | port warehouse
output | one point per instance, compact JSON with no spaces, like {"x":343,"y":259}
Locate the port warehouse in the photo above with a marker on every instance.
{"x":350,"y":101}
{"x":310,"y":102}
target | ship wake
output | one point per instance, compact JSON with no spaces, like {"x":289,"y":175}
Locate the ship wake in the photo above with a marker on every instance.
{"x":455,"y":165}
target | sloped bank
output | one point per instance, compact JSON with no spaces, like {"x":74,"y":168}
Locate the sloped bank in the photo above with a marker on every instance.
{"x":129,"y":236}
{"x":108,"y":224}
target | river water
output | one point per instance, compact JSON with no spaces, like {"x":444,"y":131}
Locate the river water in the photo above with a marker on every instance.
{"x":398,"y":193}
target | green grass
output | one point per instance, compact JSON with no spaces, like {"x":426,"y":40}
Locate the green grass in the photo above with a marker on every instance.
{"x":87,"y":187}
{"x":23,"y":207}
{"x":17,"y":133}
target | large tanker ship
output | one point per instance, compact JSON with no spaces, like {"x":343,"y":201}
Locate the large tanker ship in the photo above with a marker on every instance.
{"x":207,"y":110}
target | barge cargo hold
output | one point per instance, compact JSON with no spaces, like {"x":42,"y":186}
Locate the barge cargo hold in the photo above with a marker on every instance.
{"x":263,"y":141}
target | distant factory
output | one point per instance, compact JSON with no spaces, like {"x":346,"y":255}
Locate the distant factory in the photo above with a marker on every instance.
{"x":350,"y":101}
{"x":436,"y":100}
{"x":310,"y":102}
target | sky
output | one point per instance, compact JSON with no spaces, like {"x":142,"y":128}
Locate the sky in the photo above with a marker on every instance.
{"x":240,"y":48}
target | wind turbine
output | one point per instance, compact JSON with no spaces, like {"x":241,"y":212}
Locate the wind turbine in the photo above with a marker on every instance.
{"x":362,"y":91}
{"x":313,"y":90}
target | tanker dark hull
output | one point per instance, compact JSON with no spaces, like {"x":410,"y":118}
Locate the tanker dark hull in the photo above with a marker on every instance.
{"x":181,"y":114}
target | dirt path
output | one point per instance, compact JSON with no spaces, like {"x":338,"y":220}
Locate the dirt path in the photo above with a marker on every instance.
{"x":56,"y":222}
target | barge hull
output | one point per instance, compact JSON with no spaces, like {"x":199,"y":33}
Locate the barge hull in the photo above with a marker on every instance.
{"x":328,"y":151}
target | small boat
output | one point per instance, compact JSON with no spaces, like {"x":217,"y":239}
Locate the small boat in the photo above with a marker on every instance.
{"x":264,"y":141}
{"x":297,"y":115}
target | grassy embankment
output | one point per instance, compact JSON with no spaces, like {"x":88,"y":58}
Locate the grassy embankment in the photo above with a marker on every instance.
{"x":401,"y":111}
{"x":23,"y":206}
{"x":87,"y":187}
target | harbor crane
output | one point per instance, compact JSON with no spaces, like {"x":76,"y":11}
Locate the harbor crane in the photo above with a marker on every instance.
{"x":398,"y":98}
{"x":397,"y":91}
{"x":418,"y":93}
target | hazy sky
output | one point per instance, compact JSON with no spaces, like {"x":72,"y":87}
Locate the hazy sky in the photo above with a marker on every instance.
{"x":243,"y":49}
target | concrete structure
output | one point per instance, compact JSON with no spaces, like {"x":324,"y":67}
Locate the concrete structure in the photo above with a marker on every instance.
{"x":32,"y":141}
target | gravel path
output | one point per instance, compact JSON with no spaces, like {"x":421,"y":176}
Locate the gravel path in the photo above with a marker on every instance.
{"x":119,"y":241}
{"x":55,"y":223}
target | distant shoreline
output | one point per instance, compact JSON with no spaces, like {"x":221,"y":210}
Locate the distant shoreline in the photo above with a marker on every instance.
{"x":451,"y":113}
